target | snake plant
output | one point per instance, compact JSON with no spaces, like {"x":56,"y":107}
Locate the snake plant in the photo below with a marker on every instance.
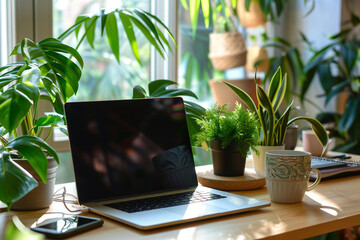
{"x":272,"y":131}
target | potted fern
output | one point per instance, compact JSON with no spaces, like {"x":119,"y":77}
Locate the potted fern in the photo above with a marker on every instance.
{"x":271,"y":134}
{"x":231,"y":135}
{"x":50,"y":71}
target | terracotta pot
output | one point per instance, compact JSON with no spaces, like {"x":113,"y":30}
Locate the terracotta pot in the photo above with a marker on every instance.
{"x":224,"y":95}
{"x":227,"y":162}
{"x":252,"y":18}
{"x":40,"y":197}
{"x":259,"y":159}
{"x":254,"y":55}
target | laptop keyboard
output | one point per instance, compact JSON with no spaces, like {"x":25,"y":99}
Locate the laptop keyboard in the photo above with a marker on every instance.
{"x":165,"y":201}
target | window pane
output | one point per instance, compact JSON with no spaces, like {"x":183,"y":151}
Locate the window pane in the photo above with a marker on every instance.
{"x":195,"y":68}
{"x":103,"y":77}
{"x":4,"y":47}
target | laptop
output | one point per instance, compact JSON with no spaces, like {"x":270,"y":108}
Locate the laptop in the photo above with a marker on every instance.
{"x":133,"y":163}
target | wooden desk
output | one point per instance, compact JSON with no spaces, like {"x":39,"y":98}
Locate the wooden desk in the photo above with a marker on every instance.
{"x":333,"y":205}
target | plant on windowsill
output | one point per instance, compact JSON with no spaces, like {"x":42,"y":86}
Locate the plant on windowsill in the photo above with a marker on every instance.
{"x":51,"y":71}
{"x":272,"y":131}
{"x":231,"y":135}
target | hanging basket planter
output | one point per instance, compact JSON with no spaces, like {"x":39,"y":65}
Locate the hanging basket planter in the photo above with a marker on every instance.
{"x":227,"y":50}
{"x":256,"y":54}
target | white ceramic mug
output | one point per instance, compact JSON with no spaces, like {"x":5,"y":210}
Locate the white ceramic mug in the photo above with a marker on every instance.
{"x":287,"y":175}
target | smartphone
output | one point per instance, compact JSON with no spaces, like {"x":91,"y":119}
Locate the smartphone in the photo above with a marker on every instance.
{"x":68,"y":226}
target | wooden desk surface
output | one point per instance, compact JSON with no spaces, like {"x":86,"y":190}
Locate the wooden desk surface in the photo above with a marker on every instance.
{"x":332,"y":205}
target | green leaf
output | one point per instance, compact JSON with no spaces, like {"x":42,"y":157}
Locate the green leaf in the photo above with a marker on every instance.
{"x":66,"y":89}
{"x":113,"y":35}
{"x":275,"y":84}
{"x":341,"y":34}
{"x":205,"y":5}
{"x":159,"y":84}
{"x":138,"y":92}
{"x":243,"y":96}
{"x":194,"y":7}
{"x":163,"y":38}
{"x":318,"y":57}
{"x":31,"y":148}
{"x":283,"y":124}
{"x":184,"y":4}
{"x":336,"y":90}
{"x":103,"y":18}
{"x":15,"y":230}
{"x":14,"y":105}
{"x":326,"y":78}
{"x":54,"y":45}
{"x":282,"y":41}
{"x":247,"y":5}
{"x":129,"y":30}
{"x":67,"y":63}
{"x":350,"y":55}
{"x":317,"y":127}
{"x":173,"y":92}
{"x":74,"y":28}
{"x":157,"y":20}
{"x":279,"y":96}
{"x":5,"y":80}
{"x":265,"y":102}
{"x":69,"y":76}
{"x":149,"y":24}
{"x":146,"y":33}
{"x":90,"y":31}
{"x":15,"y":182}
{"x":349,"y":117}
{"x":49,"y":120}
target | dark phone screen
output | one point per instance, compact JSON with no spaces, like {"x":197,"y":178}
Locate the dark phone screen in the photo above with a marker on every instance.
{"x":67,"y":224}
{"x":127,"y":148}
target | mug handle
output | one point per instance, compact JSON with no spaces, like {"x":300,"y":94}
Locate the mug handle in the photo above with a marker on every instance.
{"x":317,"y":181}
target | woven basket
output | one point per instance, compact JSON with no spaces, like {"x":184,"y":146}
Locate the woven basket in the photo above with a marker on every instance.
{"x":227,"y":50}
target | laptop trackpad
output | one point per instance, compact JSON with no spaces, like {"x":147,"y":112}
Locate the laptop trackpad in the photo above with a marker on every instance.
{"x":196,"y":210}
{"x":178,"y":213}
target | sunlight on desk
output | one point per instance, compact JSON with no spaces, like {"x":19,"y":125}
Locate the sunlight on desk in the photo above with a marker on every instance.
{"x":269,"y":227}
{"x":188,"y":233}
{"x":327,"y":205}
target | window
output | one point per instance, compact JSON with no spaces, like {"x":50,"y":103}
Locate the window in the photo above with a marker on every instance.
{"x":6,"y":33}
{"x":103,"y":77}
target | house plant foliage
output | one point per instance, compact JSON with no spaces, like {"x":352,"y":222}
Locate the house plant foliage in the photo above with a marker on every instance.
{"x":228,"y":132}
{"x":50,"y":71}
{"x":273,"y":129}
{"x":336,"y":65}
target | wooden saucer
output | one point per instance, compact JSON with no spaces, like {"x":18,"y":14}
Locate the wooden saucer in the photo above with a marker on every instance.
{"x":250,"y":180}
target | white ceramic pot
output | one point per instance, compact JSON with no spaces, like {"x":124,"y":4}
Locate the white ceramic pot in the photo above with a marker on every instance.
{"x":41,"y":196}
{"x":259,"y":160}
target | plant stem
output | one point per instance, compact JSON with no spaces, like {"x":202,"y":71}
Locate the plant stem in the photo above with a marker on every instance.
{"x":49,"y":134}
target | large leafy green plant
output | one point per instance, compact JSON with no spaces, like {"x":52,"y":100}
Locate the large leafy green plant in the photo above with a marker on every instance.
{"x":272,"y":131}
{"x":51,"y":71}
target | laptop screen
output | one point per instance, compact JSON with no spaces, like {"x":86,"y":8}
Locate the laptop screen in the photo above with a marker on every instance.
{"x":127,"y":148}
